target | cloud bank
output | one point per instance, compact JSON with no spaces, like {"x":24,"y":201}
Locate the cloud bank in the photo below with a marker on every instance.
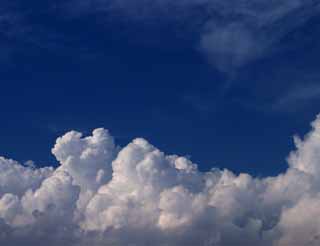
{"x":102,"y":194}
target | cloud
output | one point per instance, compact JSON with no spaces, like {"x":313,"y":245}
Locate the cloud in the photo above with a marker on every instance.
{"x":230,"y":33}
{"x":102,"y":194}
{"x":231,"y":46}
{"x":297,"y":98}
{"x":17,"y":179}
{"x":247,"y":30}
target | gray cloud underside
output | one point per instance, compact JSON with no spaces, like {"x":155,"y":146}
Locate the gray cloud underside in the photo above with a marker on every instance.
{"x":102,"y":194}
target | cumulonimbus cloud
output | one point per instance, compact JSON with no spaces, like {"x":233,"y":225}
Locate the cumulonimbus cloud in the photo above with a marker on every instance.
{"x":102,"y":194}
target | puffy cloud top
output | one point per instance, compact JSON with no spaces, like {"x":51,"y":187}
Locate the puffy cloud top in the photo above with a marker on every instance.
{"x":137,"y":195}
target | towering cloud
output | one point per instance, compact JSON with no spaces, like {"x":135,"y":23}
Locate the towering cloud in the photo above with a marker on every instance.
{"x":137,"y":195}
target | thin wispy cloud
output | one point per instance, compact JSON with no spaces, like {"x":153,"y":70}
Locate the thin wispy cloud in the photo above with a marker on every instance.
{"x":297,"y":98}
{"x":248,"y":30}
{"x":103,"y":194}
{"x":231,"y":34}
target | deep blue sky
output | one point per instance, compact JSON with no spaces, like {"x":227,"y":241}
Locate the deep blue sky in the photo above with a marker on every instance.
{"x":63,"y":69}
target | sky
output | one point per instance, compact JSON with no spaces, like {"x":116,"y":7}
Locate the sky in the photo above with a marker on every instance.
{"x":225,"y":85}
{"x":218,"y":89}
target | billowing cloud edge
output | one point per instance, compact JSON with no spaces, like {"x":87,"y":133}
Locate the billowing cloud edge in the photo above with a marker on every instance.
{"x":102,"y":194}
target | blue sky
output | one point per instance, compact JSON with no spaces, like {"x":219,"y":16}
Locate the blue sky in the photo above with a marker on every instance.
{"x":160,"y":122}
{"x":227,"y":84}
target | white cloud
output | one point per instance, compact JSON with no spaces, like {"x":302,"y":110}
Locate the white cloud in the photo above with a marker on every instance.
{"x":137,"y":195}
{"x":88,"y":159}
{"x":16,"y":179}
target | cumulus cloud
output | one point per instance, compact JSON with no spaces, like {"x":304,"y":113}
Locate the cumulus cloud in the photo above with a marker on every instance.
{"x":102,"y":194}
{"x":17,"y":179}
